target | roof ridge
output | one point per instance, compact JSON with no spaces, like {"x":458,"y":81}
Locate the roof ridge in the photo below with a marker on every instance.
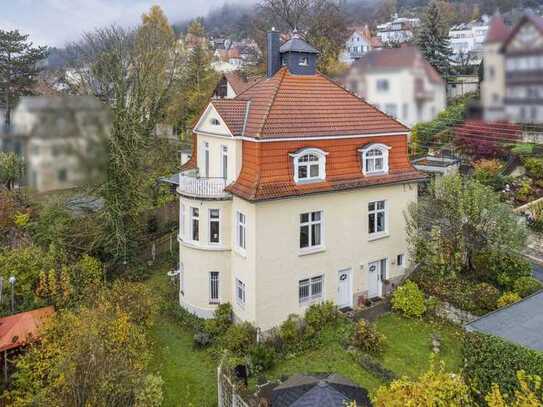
{"x":362,"y":100}
{"x":247,"y":107}
{"x":272,"y":101}
{"x":257,"y":80}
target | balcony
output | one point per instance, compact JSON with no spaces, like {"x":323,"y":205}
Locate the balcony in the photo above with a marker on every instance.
{"x":190,"y":184}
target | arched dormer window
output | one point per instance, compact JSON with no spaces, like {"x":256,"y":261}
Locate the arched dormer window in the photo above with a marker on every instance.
{"x":374,"y":159}
{"x":309,"y":165}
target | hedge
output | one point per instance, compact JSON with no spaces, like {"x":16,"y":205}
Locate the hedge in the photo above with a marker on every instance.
{"x":489,"y":359}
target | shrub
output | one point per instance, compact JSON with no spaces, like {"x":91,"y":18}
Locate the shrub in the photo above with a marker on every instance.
{"x":501,"y":269}
{"x":376,"y":367}
{"x":290,"y":330}
{"x":434,"y":388}
{"x":320,"y":315}
{"x":202,"y":339}
{"x":507,"y":298}
{"x":524,"y":191}
{"x":222,"y":320}
{"x":409,"y":300}
{"x":526,"y":286}
{"x":367,"y":338}
{"x":239,"y":338}
{"x":261,"y":357}
{"x":534,"y":167}
{"x":486,"y":296}
{"x":489,"y":360}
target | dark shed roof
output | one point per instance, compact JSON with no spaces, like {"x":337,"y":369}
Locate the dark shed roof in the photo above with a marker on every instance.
{"x":520,"y":323}
{"x":323,"y":390}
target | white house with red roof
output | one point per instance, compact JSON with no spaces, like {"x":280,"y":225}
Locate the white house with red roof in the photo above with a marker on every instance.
{"x":360,"y":42}
{"x":400,"y":82}
{"x":295,"y":194}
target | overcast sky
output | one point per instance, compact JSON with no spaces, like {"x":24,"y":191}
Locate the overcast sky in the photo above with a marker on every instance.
{"x":55,"y":22}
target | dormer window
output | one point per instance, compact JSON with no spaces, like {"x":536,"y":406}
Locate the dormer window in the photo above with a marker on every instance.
{"x":375,"y":159}
{"x":303,"y":61}
{"x":309,"y":165}
{"x":215,"y":122}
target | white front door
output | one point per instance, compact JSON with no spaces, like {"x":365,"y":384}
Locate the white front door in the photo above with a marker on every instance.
{"x":344,"y":289}
{"x":375,"y":283}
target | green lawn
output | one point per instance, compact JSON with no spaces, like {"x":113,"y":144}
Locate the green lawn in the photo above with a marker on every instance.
{"x":189,"y":375}
{"x":407,"y":353}
{"x":409,"y":342}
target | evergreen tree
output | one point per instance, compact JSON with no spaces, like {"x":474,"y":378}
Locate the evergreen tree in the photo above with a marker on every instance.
{"x":433,"y":39}
{"x":19,"y":67}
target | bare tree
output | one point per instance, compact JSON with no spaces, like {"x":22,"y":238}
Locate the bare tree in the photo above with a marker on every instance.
{"x":132,"y":71}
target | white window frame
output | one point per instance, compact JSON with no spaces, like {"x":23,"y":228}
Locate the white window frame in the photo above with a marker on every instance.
{"x":400,"y":260}
{"x":378,"y":234}
{"x":241,"y":293}
{"x":217,"y":220}
{"x":304,"y":61}
{"x":191,"y":226}
{"x":310,"y":284}
{"x":320,"y":154}
{"x":384,"y":149}
{"x":214,"y":290}
{"x":224,"y":161}
{"x":309,"y":224}
{"x":241,"y":237}
{"x":207,"y":159}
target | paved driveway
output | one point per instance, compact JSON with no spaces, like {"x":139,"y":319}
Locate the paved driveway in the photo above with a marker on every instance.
{"x":538,"y":271}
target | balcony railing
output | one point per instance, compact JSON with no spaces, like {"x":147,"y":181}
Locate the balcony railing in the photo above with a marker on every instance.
{"x":202,"y":187}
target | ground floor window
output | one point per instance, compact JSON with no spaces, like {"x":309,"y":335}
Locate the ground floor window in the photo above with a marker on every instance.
{"x":214,"y":287}
{"x":310,"y":289}
{"x":240,"y":292}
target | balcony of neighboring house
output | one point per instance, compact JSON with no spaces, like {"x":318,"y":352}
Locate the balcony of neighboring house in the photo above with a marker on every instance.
{"x":422,"y":93}
{"x":193,"y":185}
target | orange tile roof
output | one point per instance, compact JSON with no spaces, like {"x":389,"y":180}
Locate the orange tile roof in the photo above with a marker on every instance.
{"x":239,"y":83}
{"x":267,"y":171}
{"x":19,"y":329}
{"x":233,"y":112}
{"x":288,"y":105}
{"x":498,"y":31}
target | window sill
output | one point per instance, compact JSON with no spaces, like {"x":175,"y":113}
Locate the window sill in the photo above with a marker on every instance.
{"x":378,"y":236}
{"x":375,"y":174}
{"x":311,"y":301}
{"x":311,"y":250}
{"x":207,"y":247}
{"x":308,"y":181}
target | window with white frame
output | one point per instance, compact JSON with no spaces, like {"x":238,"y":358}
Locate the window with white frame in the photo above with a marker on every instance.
{"x":303,"y":61}
{"x":214,"y":226}
{"x":241,"y":230}
{"x":311,"y":230}
{"x":224,"y":158}
{"x":309,"y":165}
{"x":195,"y":224}
{"x":400,"y":260}
{"x":377,"y":217}
{"x":375,"y":159}
{"x":240,"y":292}
{"x":310,"y":289}
{"x":382,"y":85}
{"x":206,"y":159}
{"x":214,"y":287}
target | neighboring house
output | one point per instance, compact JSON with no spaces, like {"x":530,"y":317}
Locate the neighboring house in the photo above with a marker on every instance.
{"x":295,"y":194}
{"x":232,"y":84}
{"x":523,"y":53}
{"x":493,"y":84}
{"x":512,"y":88}
{"x":467,"y":40}
{"x":54,"y":134}
{"x":192,"y":41}
{"x":400,"y":82}
{"x":359,"y":43}
{"x":398,"y":30}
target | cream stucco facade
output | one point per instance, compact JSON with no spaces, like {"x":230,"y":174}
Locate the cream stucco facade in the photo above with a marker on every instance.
{"x":493,"y":84}
{"x":272,"y":266}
